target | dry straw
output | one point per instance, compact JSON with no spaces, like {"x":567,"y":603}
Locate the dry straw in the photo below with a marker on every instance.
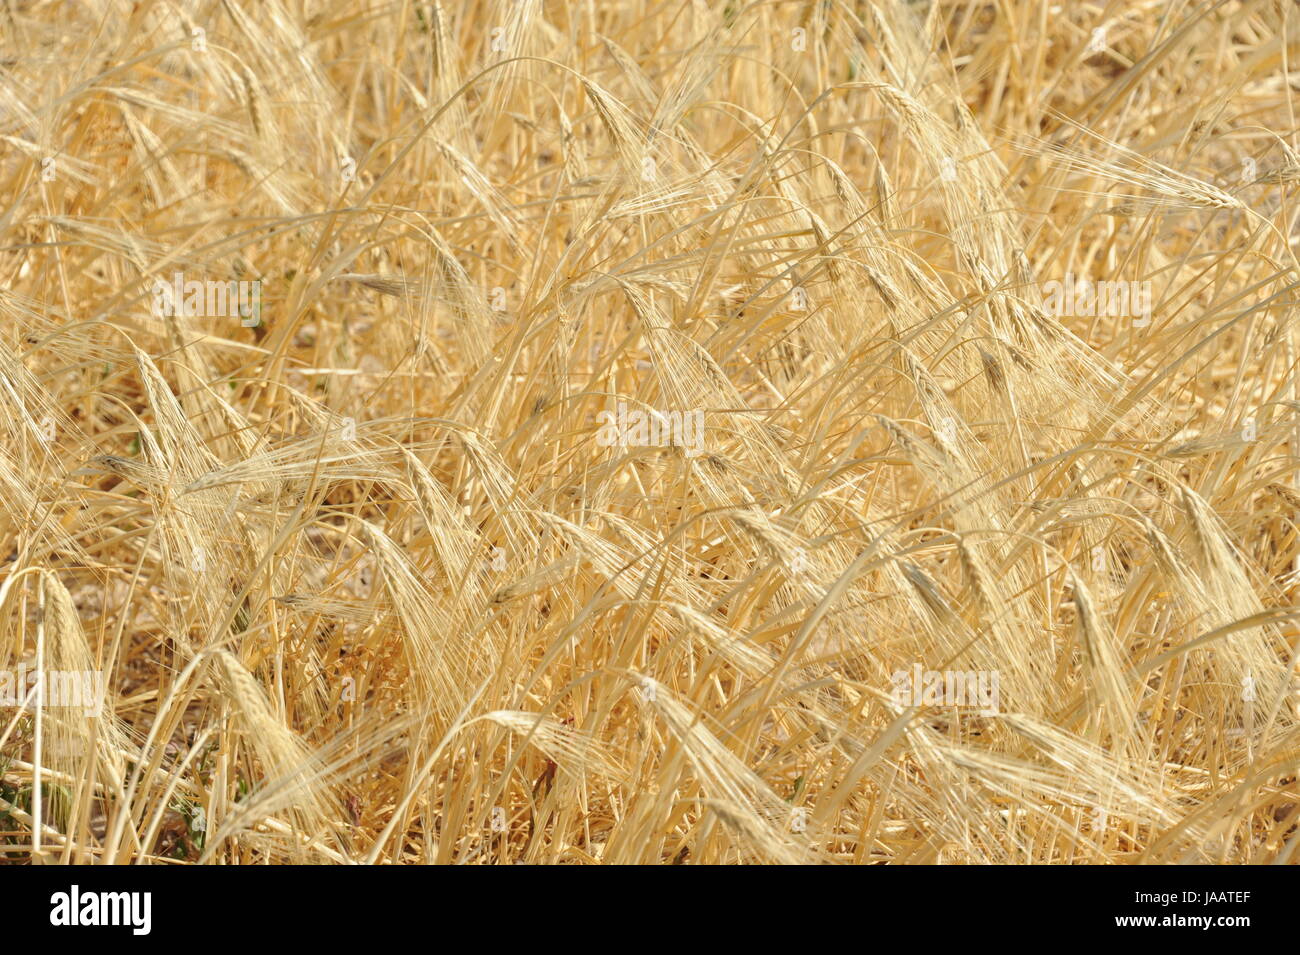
{"x":367,"y":582}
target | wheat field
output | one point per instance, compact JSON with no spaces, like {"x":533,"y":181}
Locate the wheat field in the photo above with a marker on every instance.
{"x":846,"y":431}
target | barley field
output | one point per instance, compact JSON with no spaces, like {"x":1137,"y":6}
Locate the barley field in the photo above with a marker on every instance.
{"x":683,"y":432}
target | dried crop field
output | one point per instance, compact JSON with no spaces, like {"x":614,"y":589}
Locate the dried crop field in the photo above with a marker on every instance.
{"x":832,"y":431}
